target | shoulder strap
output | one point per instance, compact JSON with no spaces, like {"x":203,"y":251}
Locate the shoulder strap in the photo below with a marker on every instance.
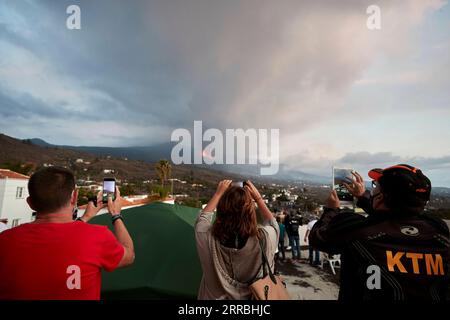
{"x":265,"y":262}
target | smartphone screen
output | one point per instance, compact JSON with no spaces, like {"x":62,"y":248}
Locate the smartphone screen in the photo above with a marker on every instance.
{"x":341,"y":176}
{"x":109,"y":188}
{"x":238,"y":184}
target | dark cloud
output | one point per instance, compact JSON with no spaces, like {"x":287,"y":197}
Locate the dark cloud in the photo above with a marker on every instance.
{"x":229,"y":63}
{"x":27,"y":106}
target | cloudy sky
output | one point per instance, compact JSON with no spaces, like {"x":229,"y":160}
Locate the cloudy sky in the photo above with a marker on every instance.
{"x":339,"y":93}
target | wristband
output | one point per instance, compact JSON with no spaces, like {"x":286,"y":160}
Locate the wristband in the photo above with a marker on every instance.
{"x":116,"y":217}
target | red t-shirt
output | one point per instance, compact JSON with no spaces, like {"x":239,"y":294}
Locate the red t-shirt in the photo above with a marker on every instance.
{"x":52,"y":261}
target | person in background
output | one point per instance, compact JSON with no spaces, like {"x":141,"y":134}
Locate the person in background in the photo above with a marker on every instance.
{"x":55,"y":257}
{"x":287,"y":231}
{"x":229,"y":246}
{"x":314,"y":255}
{"x":281,"y":240}
{"x":398,"y":252}
{"x":293,"y":223}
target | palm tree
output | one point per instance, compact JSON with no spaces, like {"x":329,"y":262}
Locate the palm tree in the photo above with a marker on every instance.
{"x":163,"y":170}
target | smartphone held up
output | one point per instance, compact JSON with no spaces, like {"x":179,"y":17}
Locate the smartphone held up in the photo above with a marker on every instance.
{"x":341,"y":176}
{"x":109,"y":189}
{"x":240,"y":184}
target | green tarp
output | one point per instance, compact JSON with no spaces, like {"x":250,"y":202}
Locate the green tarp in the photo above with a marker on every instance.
{"x":166,"y":264}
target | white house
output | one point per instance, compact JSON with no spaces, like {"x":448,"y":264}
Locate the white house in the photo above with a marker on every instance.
{"x":13,"y":195}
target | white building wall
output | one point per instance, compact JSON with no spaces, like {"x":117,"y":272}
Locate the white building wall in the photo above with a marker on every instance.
{"x":2,"y":194}
{"x":12,"y":207}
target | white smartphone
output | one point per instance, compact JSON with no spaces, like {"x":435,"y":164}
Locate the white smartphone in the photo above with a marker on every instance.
{"x":109,"y":188}
{"x":341,"y":176}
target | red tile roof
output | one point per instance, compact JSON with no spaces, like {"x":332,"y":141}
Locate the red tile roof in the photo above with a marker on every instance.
{"x":5,"y":173}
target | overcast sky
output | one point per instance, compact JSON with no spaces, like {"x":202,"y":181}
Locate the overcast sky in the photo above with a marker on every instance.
{"x":339,"y":93}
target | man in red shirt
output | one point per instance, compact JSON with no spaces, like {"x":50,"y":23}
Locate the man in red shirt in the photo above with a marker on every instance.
{"x":55,"y":257}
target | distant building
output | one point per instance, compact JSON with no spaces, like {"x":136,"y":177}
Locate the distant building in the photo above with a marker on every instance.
{"x":197,"y":185}
{"x":288,"y":203}
{"x":176,"y":180}
{"x":95,"y":187}
{"x":168,"y":200}
{"x":182,"y":195}
{"x":13,"y":195}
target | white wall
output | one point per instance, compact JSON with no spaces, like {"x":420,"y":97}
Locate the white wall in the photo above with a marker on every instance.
{"x":2,"y":193}
{"x":10,"y":207}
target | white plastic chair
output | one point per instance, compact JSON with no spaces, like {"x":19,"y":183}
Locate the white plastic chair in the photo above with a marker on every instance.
{"x":334,"y":261}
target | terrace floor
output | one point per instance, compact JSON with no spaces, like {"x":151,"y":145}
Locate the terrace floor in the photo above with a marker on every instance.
{"x":306,"y":282}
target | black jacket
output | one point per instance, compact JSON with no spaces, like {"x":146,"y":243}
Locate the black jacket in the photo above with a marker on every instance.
{"x":412,"y":252}
{"x":292,"y":224}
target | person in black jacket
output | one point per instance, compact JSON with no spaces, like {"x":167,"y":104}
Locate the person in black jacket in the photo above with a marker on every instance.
{"x":397,"y":252}
{"x":293,"y":223}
